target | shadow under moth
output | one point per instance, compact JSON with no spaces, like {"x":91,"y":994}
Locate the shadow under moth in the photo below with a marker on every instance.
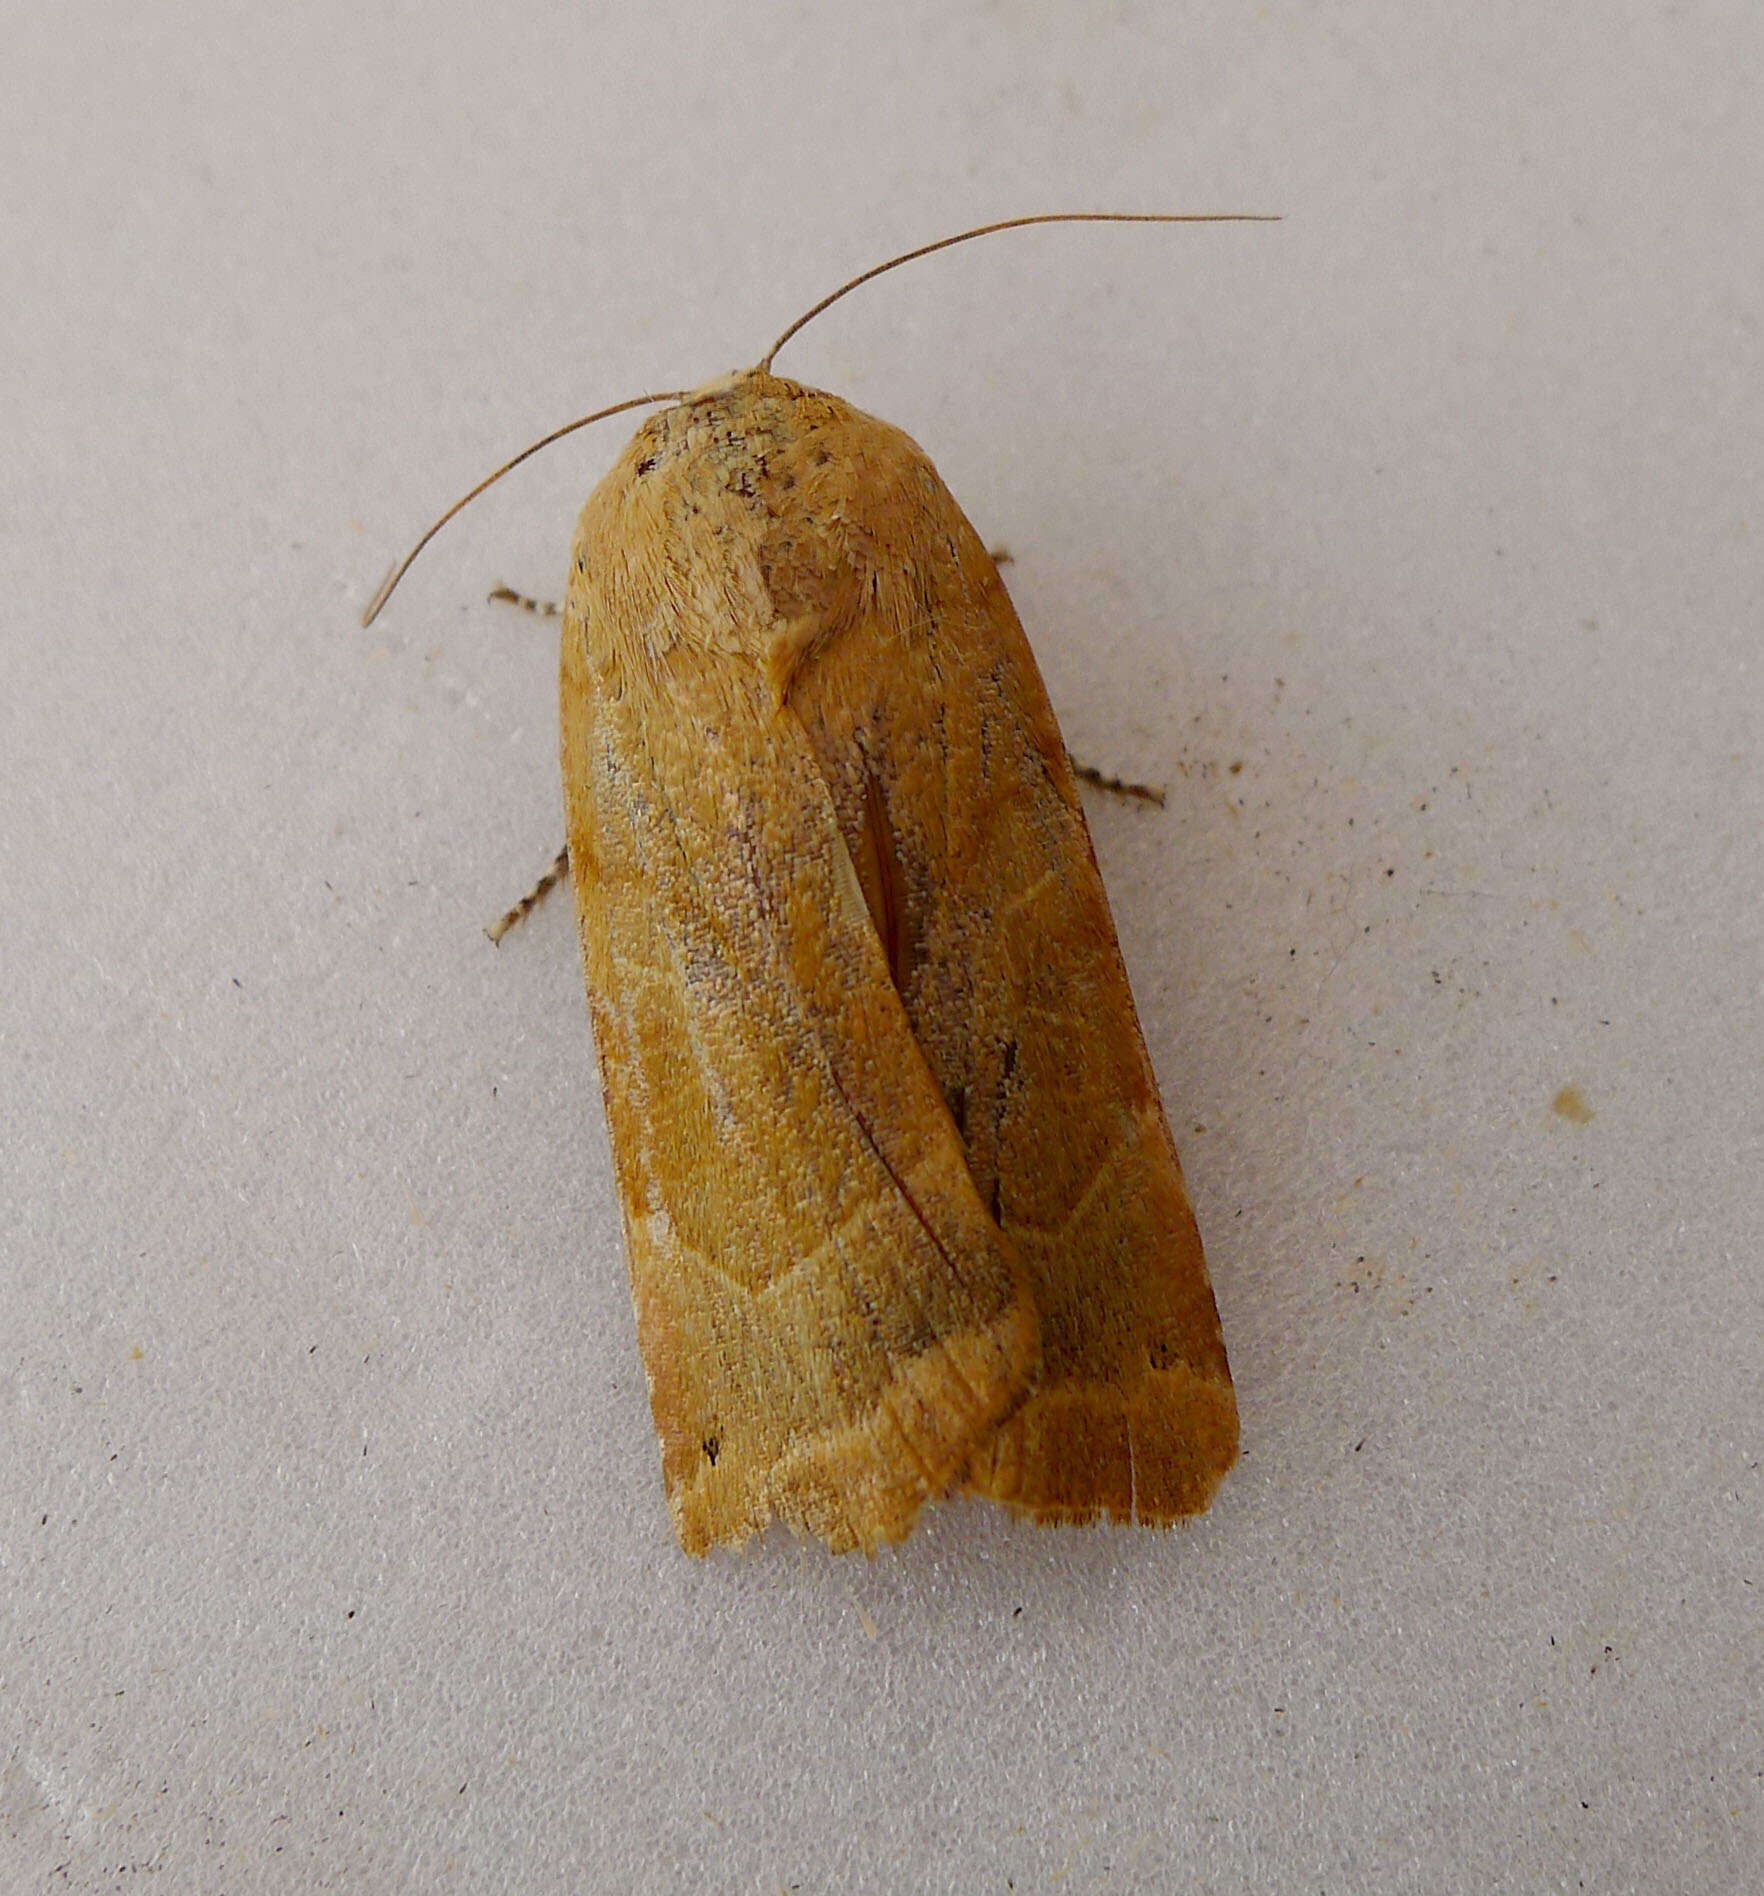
{"x":901,"y":1203}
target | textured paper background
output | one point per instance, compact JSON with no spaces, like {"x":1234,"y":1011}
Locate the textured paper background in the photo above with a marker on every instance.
{"x":1414,"y":543}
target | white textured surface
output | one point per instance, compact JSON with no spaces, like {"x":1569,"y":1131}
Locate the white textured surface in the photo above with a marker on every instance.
{"x":332,"y":1552}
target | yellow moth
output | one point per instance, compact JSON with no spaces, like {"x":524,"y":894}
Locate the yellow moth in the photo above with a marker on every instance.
{"x":901,"y":1203}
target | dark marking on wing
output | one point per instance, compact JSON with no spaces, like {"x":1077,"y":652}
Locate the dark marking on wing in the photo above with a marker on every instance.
{"x":882,"y":878}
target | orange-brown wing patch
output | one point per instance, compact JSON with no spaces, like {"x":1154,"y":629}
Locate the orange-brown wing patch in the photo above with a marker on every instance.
{"x":935,"y":734}
{"x":830,"y":1322}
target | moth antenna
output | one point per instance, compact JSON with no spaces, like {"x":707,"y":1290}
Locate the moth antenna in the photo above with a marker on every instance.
{"x":490,"y":480}
{"x":1016,"y":223}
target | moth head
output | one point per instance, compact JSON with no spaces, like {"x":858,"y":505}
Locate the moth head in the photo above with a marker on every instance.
{"x":762,"y":369}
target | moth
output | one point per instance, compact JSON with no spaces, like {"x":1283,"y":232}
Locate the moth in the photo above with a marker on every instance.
{"x":902,"y":1207}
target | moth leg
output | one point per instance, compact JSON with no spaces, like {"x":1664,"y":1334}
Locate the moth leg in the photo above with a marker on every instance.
{"x":1116,"y":786}
{"x":543,"y":608}
{"x":534,"y":896}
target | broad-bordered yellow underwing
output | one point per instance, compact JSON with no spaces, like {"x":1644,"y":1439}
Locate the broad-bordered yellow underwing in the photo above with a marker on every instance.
{"x":902,"y":1207}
